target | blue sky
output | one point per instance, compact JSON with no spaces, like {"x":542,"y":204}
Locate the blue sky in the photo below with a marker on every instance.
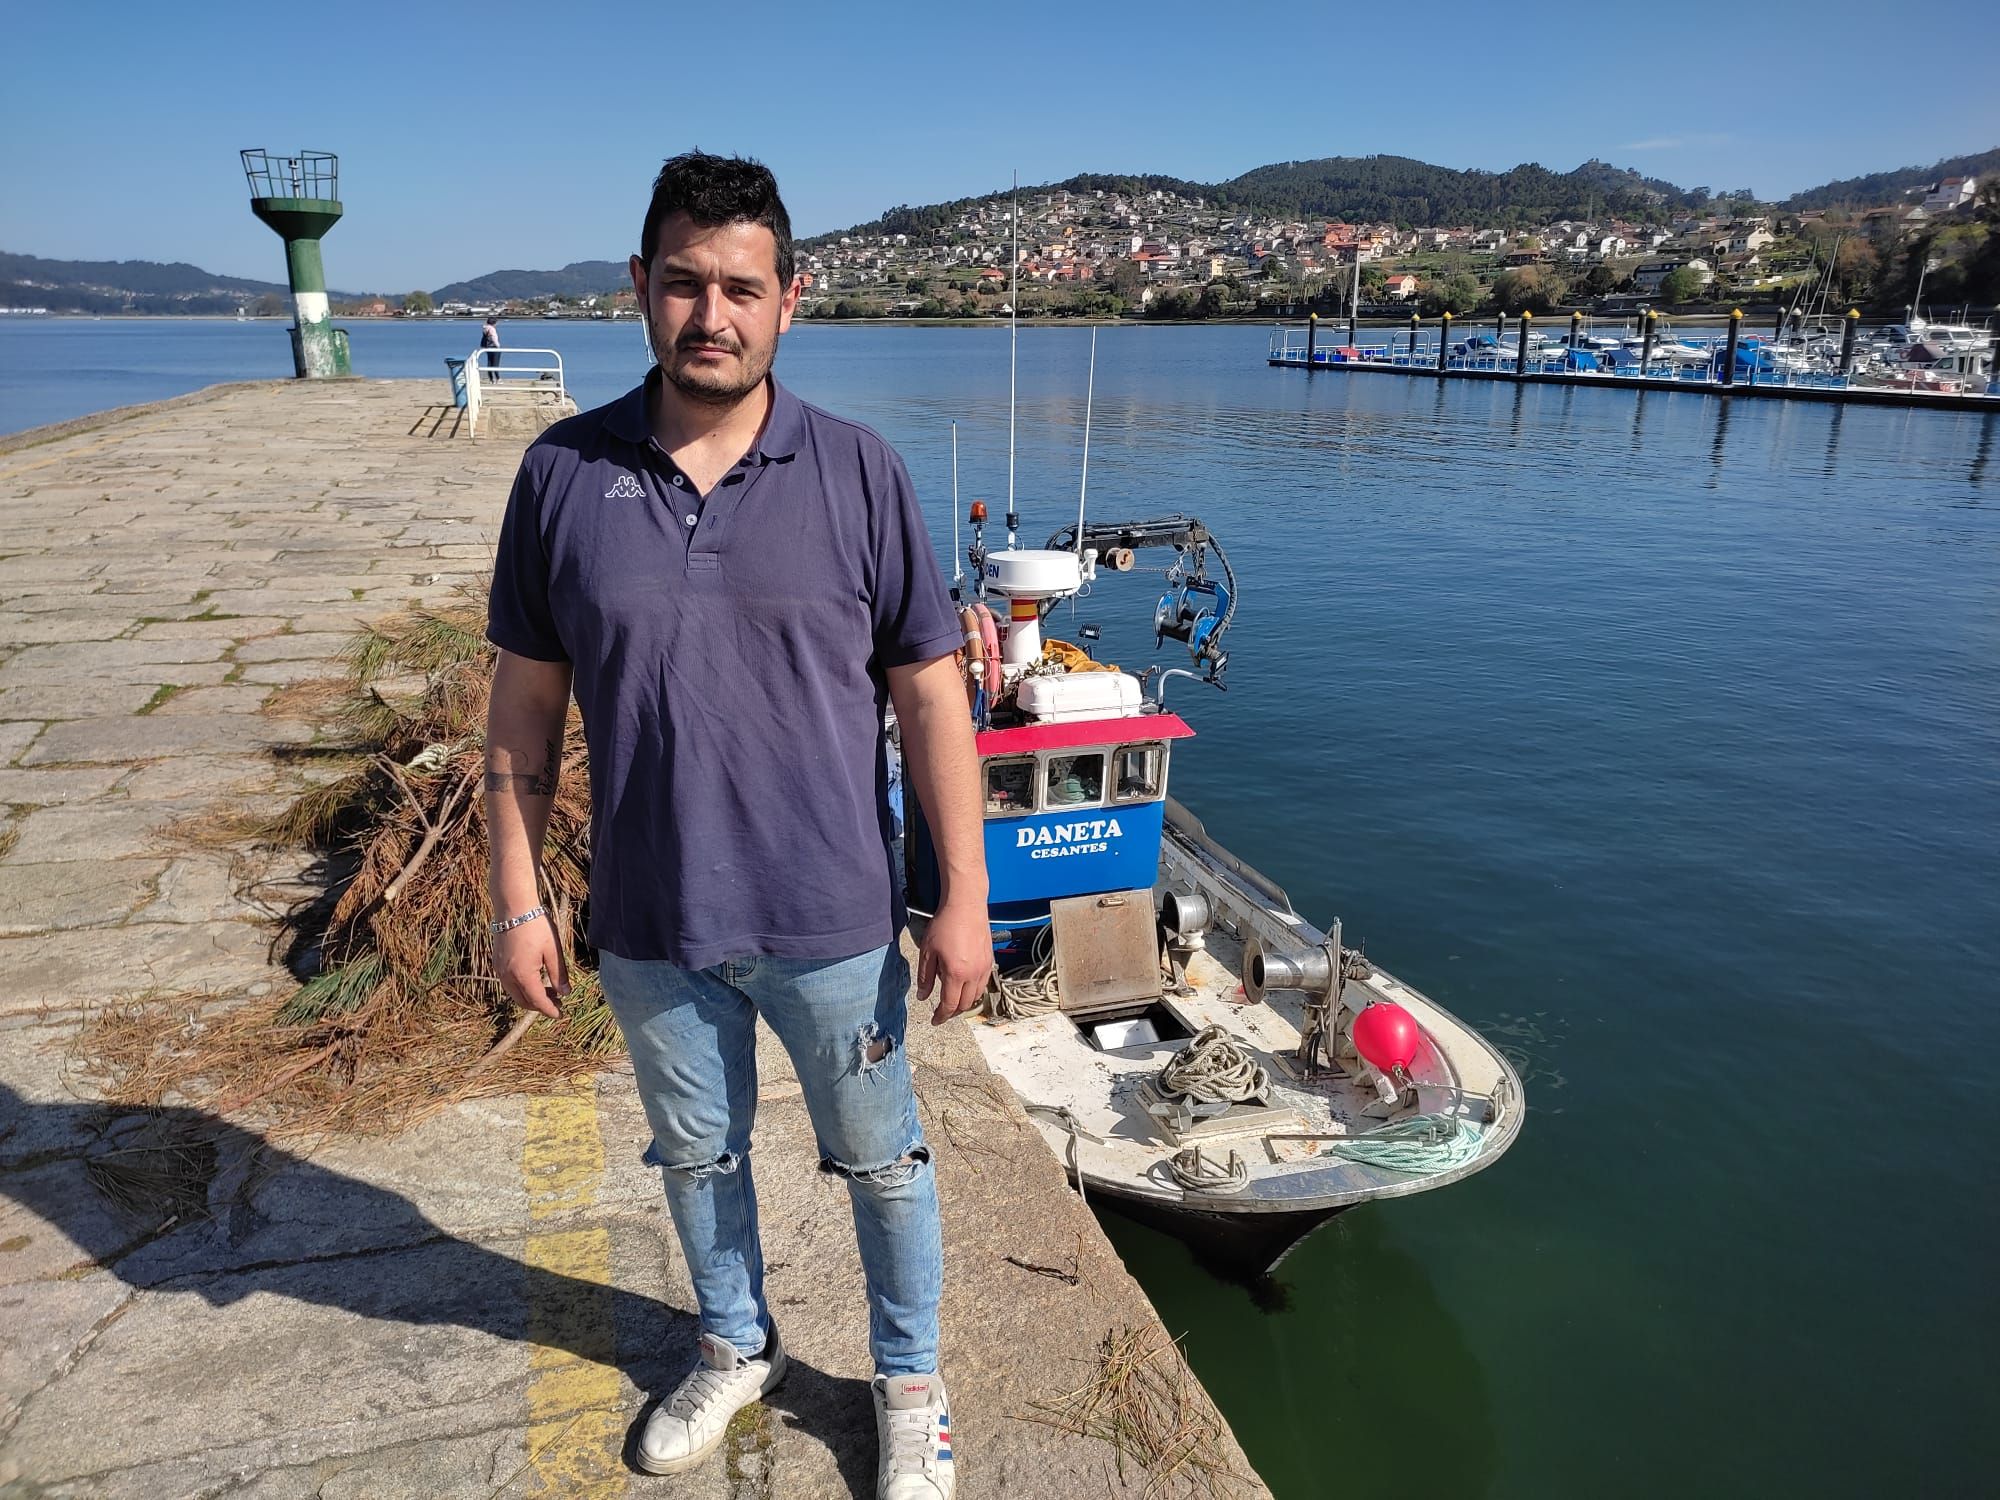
{"x":120,"y":123}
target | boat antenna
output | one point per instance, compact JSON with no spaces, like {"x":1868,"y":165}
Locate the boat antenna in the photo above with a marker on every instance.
{"x":1083,"y":486}
{"x":957,"y":558}
{"x":1013,"y":347}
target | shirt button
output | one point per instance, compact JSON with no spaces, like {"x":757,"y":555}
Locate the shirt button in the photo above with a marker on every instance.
{"x":690,"y":520}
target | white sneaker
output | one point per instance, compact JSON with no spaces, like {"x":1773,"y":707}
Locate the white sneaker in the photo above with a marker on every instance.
{"x":689,"y":1425}
{"x":913,"y":1439}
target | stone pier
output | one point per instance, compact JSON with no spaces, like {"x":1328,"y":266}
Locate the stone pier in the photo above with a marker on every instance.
{"x":481,"y":1306}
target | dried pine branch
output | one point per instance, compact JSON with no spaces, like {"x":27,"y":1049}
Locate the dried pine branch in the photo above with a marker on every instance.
{"x":406,"y":1013}
{"x":1140,"y":1398}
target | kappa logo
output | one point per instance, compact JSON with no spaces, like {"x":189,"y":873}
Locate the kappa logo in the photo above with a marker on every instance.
{"x":627,"y":488}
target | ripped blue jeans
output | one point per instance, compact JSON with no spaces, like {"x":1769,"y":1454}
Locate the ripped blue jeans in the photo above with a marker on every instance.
{"x":692,"y":1036}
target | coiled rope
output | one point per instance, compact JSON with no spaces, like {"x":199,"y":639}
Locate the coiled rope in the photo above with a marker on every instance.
{"x":1214,"y":1068}
{"x":1422,"y":1143}
{"x":1029,"y":992}
{"x":1194,"y":1170}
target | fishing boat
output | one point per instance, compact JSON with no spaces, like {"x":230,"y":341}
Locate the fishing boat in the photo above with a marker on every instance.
{"x":1184,"y":1040}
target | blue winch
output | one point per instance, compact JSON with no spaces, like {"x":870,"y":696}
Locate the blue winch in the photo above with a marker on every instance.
{"x":1193,"y":613}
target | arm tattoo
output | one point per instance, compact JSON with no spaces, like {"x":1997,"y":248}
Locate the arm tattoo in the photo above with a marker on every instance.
{"x":540,"y":783}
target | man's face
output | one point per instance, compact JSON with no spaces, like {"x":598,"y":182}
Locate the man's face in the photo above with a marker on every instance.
{"x":714,"y":307}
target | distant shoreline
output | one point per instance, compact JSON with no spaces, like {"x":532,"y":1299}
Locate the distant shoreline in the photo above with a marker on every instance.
{"x":1331,"y":326}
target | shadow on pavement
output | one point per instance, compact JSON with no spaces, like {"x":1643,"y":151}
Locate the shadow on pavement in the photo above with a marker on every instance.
{"x":169,"y":1198}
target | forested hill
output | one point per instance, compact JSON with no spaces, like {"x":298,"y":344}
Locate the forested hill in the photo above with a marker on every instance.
{"x":1372,"y":189}
{"x":101,"y":286}
{"x":1400,"y":190}
{"x":1883,"y":187}
{"x":580,"y":278}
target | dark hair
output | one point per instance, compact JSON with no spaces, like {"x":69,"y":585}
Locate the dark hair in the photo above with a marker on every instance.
{"x":714,"y":190}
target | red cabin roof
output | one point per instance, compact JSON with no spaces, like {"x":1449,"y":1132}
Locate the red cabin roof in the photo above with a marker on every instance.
{"x":1067,"y":733}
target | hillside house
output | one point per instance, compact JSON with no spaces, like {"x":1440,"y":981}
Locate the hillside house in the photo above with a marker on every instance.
{"x":1952,"y":193}
{"x":1402,"y":286}
{"x":1648,"y":277}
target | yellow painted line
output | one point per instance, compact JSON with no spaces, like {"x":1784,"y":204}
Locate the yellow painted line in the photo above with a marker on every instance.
{"x":69,"y":453}
{"x":576,"y":1415}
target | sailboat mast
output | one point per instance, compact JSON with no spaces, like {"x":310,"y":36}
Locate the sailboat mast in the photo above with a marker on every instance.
{"x":957,"y":557}
{"x":1826,"y":282}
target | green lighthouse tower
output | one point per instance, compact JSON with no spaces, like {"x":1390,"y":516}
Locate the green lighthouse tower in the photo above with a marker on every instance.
{"x":299,"y":197}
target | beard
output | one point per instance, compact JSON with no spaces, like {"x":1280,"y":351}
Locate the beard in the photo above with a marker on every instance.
{"x":713,"y":387}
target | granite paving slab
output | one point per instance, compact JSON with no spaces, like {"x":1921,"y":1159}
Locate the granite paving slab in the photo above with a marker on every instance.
{"x":484,"y":1304}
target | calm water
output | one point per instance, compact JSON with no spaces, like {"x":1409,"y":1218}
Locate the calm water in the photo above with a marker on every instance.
{"x":1658,"y":739}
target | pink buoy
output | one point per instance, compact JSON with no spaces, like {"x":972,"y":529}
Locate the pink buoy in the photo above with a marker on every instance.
{"x":1387,"y":1036}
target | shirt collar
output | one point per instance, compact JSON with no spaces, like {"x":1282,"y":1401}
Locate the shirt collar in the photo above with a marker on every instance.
{"x":784,"y":425}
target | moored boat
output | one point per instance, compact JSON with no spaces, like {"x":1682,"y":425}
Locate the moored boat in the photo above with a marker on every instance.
{"x":1185,"y":1041}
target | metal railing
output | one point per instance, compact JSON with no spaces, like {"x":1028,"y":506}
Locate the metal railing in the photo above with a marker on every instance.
{"x":310,"y":174}
{"x":533,"y":374}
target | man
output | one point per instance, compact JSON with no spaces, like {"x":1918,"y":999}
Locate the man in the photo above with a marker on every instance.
{"x":489,"y":341}
{"x":734,"y":583}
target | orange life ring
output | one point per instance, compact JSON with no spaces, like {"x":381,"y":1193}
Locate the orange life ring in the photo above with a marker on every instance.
{"x":972,"y":655}
{"x":989,"y":636}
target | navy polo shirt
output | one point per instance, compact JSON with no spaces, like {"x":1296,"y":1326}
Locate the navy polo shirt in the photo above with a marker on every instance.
{"x":729,"y":655}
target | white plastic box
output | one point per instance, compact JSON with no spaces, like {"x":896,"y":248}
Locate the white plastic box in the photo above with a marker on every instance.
{"x":1081,"y":695}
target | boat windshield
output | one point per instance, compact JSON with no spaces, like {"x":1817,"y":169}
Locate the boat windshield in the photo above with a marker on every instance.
{"x":1010,"y":786}
{"x":1076,"y":780}
{"x":1138,"y":773}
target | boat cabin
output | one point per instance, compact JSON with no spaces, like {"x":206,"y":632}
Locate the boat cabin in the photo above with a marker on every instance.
{"x":1073,"y":808}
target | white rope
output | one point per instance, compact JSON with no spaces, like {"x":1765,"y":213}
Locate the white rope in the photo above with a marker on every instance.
{"x":1195,"y":1171}
{"x":1029,"y":992}
{"x":1062,"y":1116}
{"x":1214,"y":1068}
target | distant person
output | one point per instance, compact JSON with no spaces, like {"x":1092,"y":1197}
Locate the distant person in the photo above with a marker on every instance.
{"x":489,"y":340}
{"x":734,"y":585}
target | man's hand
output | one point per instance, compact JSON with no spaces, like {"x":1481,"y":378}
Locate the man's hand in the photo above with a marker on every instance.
{"x":531,"y":968}
{"x":956,"y":957}
{"x":942,"y":764}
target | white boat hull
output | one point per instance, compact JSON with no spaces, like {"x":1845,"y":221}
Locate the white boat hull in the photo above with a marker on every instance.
{"x":1088,"y":1103}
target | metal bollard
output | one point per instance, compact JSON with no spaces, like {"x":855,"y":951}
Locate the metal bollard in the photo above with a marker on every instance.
{"x":1312,"y":337}
{"x":1444,"y":339}
{"x":1646,"y":344}
{"x":1729,"y":352}
{"x":1847,"y":339}
{"x":1521,"y":348}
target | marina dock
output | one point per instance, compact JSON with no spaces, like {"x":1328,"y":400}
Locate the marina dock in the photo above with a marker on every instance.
{"x":480,"y":1306}
{"x":1422,"y":352}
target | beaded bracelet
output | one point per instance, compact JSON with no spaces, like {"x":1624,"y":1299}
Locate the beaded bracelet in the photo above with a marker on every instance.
{"x":496,"y":928}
